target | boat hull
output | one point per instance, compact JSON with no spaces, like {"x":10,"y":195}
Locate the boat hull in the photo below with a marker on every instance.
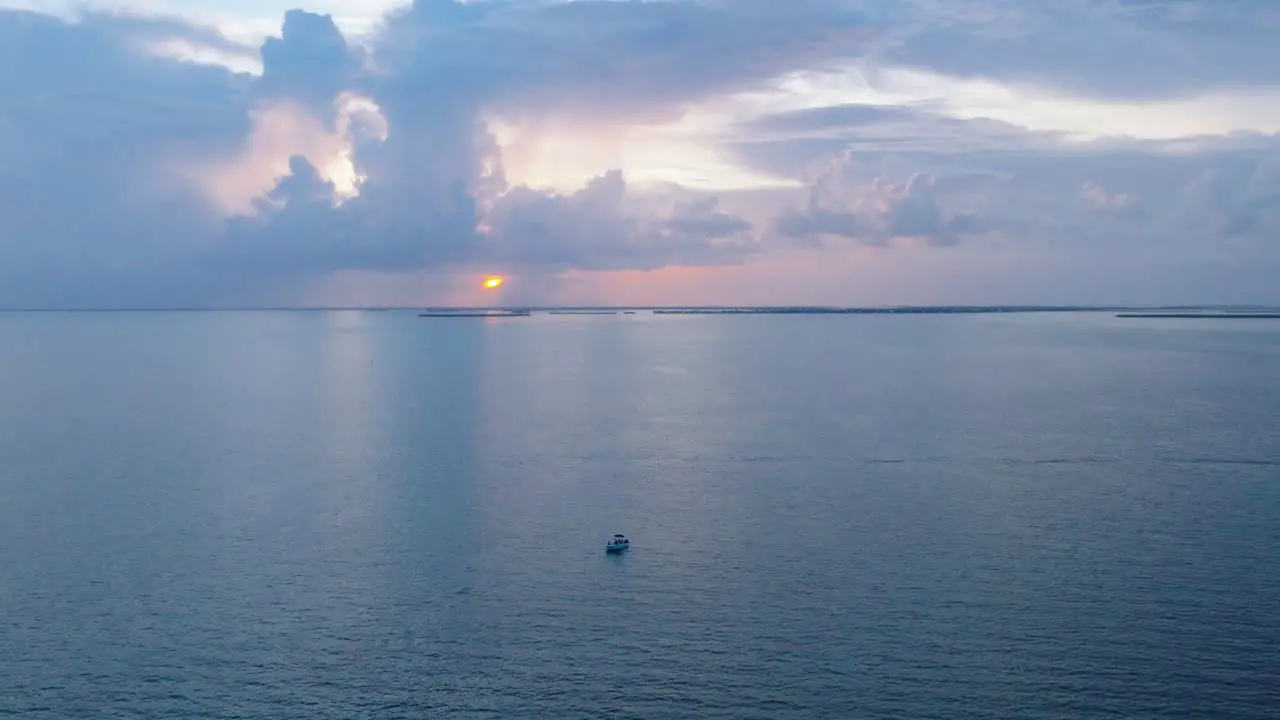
{"x":615,"y":548}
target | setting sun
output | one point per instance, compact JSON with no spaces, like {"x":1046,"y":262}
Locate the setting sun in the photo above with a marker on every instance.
{"x":493,"y":282}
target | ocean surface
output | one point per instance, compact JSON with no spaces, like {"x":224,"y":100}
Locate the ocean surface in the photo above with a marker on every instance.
{"x":374,"y":515}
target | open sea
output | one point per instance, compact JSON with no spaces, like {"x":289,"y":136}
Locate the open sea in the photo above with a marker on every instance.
{"x":374,"y":515}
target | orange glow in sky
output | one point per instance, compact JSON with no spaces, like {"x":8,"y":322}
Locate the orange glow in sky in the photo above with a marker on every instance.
{"x":493,"y":281}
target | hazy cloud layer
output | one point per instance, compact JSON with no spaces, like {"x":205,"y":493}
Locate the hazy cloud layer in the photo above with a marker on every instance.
{"x":137,"y":171}
{"x":1120,"y":48}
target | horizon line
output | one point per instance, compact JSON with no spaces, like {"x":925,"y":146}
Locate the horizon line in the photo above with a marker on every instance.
{"x":544,"y":308}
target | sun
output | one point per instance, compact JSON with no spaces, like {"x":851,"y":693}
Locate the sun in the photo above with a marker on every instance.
{"x":494,"y":281}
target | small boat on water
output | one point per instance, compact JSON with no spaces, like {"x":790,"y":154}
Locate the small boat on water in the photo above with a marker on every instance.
{"x":617,"y":543}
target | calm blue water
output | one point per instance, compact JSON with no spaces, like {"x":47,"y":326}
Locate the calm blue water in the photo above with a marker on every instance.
{"x":314,"y":515}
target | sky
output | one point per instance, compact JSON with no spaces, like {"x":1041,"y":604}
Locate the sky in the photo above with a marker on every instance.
{"x":180,"y":153}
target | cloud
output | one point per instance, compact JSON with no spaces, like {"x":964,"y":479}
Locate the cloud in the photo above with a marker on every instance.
{"x":439,"y":67}
{"x":1116,"y":203}
{"x":876,"y":212}
{"x":298,"y":228}
{"x":309,"y":62}
{"x":1131,"y":49}
{"x":116,"y":154}
{"x":611,"y":59}
{"x":93,"y":132}
{"x":139,"y":171}
{"x":916,"y":135}
{"x":593,"y":229}
{"x":1241,"y":196}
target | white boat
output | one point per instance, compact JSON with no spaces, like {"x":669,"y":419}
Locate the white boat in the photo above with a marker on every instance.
{"x":617,"y":543}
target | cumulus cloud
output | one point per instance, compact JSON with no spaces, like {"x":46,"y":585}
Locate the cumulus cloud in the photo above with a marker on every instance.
{"x":111,"y":151}
{"x":309,"y":62}
{"x":437,"y":175}
{"x":134,"y":174}
{"x":1099,"y":198}
{"x":843,"y":204}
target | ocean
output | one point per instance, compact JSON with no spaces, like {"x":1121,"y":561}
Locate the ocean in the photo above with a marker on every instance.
{"x":354,"y":514}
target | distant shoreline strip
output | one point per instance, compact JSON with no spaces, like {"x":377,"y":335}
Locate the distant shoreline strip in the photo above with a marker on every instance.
{"x":1202,"y":316}
{"x":1123,"y":311}
{"x":473,"y":314}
